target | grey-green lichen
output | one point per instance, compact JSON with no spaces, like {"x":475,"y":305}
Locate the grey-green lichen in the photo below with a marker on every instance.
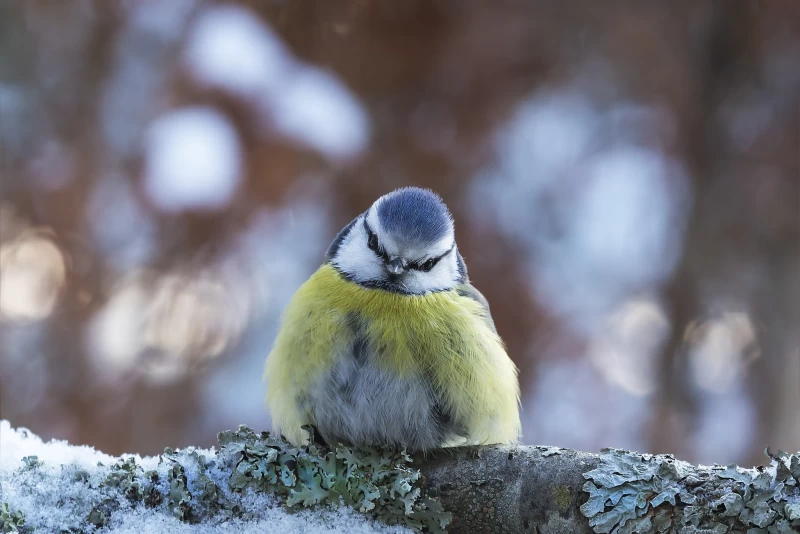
{"x":549,"y":451}
{"x":642,"y":493}
{"x":374,"y":481}
{"x":32,"y":462}
{"x":126,"y":479}
{"x":195,"y":487}
{"x":11,"y":521}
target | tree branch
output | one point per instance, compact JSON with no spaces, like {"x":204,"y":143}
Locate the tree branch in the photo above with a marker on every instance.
{"x":511,"y":489}
{"x":546,"y":490}
{"x":541,"y":490}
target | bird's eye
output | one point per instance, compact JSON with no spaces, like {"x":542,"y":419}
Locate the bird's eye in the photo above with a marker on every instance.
{"x":372,"y":242}
{"x":428,"y":265}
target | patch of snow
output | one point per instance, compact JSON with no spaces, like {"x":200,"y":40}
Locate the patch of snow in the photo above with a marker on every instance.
{"x":16,"y":444}
{"x":59,"y":493}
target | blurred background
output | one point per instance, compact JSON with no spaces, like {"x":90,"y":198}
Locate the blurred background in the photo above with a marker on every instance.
{"x":624,"y":179}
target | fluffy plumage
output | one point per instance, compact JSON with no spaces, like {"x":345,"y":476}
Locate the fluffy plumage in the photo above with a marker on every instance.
{"x":378,"y":347}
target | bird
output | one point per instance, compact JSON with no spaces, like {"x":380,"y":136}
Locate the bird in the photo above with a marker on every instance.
{"x":388,"y":344}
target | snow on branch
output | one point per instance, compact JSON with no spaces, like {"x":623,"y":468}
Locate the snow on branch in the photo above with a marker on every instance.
{"x":256,"y":483}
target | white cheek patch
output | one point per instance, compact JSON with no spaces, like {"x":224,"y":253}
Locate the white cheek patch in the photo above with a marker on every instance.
{"x":354,"y":257}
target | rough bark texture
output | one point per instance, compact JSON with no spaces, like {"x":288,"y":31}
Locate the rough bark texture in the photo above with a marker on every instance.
{"x":547,"y":490}
{"x":503,"y":489}
{"x":511,"y":489}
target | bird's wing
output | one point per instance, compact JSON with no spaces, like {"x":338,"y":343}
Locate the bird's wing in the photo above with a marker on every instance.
{"x":468,"y":290}
{"x":477,"y":379}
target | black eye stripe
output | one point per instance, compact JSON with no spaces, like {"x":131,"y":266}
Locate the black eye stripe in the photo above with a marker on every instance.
{"x":427,"y":265}
{"x":415,"y":265}
{"x":431,"y":261}
{"x":379,"y":251}
{"x":418,"y":266}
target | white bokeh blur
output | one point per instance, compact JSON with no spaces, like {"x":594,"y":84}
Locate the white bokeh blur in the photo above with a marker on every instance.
{"x":193,"y":160}
{"x":231,"y":50}
{"x":157,"y":324}
{"x":599,"y":217}
{"x":590,"y":196}
{"x":165,"y":229}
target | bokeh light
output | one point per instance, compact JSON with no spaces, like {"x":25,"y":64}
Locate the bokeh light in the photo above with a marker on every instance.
{"x":33,"y":271}
{"x":624,"y":182}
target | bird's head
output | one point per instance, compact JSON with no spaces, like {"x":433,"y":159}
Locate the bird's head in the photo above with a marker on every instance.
{"x":403,"y":243}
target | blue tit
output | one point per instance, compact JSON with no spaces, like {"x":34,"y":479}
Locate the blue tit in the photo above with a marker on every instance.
{"x":389,"y":344}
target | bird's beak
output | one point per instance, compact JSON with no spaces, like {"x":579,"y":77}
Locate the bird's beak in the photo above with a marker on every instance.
{"x":396,"y":265}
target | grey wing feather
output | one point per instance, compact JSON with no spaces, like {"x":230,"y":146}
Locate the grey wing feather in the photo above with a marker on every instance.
{"x":469,"y":291}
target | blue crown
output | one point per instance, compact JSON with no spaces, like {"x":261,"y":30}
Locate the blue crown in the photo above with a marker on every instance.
{"x":415,"y":214}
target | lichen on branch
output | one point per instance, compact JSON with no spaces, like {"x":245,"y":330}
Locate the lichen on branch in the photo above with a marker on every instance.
{"x":499,"y":488}
{"x":376,"y":481}
{"x":204,"y":487}
{"x":643,"y":493}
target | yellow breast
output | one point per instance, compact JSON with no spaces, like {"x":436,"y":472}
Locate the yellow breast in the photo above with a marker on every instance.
{"x":441,"y":336}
